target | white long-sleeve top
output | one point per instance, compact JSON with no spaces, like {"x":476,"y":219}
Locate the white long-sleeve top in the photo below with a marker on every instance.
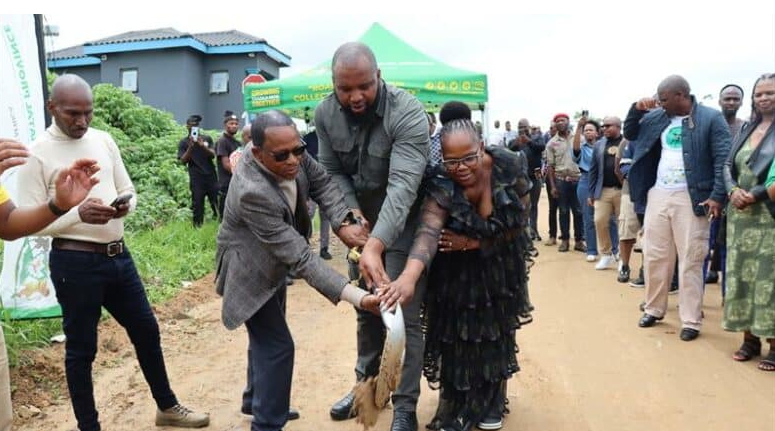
{"x":54,"y":150}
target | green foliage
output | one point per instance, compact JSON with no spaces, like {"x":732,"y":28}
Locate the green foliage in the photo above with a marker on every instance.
{"x":148,"y":139}
{"x":164,"y":257}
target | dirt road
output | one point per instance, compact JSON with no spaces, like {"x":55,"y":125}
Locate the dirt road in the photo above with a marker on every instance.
{"x":585,"y":364}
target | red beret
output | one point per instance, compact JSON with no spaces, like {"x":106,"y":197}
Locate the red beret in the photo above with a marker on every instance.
{"x":560,"y":115}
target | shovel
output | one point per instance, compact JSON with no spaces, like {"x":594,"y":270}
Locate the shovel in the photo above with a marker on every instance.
{"x":372,"y":395}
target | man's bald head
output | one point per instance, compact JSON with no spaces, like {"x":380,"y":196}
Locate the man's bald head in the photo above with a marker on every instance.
{"x":71,"y":105}
{"x":246,"y":134}
{"x":612,"y":127}
{"x":675,"y":95}
{"x":69,"y":85}
{"x":354,"y":54}
{"x":674,"y":84}
{"x":356,"y":77}
{"x":266,"y":120}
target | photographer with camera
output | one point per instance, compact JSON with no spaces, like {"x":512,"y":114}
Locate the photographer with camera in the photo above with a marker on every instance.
{"x":197,"y":151}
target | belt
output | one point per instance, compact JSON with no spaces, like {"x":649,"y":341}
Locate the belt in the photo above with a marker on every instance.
{"x":110,"y":249}
{"x":569,"y":179}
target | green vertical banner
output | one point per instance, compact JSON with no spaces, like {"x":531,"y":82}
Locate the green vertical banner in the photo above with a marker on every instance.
{"x":25,"y":285}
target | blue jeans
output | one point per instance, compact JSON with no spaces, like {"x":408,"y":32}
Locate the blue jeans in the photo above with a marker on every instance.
{"x":84,"y":283}
{"x":588,"y":212}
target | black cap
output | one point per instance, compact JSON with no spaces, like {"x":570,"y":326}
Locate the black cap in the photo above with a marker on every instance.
{"x":228,"y":116}
{"x":194,"y":119}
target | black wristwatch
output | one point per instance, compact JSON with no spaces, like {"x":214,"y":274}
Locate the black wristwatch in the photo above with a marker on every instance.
{"x":59,"y":212}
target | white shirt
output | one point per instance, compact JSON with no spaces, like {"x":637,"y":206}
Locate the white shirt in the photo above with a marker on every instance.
{"x":671,"y":173}
{"x":495,"y":138}
{"x":54,"y":150}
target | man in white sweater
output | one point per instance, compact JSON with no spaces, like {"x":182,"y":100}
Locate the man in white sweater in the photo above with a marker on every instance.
{"x":90,"y":265}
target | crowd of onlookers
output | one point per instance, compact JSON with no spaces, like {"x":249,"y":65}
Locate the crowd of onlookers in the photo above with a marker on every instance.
{"x":686,"y":185}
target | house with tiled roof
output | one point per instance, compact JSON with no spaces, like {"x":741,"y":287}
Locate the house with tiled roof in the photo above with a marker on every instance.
{"x":183,"y":73}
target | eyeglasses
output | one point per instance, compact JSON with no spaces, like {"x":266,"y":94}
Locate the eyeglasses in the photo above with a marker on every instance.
{"x":605,"y":126}
{"x":468,"y":161}
{"x":283,"y":155}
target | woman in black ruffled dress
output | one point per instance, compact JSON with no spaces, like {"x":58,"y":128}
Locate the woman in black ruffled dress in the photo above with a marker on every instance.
{"x":475,"y":213}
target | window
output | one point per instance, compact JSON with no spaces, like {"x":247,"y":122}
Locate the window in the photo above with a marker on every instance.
{"x":129,"y":80}
{"x":219,"y":82}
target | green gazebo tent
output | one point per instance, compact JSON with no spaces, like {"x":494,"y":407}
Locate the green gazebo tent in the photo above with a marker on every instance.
{"x":430,"y":80}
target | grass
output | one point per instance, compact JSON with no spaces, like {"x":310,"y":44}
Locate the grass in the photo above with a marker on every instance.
{"x":164,"y":257}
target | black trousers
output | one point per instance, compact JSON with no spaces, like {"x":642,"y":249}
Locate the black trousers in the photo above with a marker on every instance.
{"x":569,"y":205}
{"x":270,"y":370}
{"x":202,"y":187}
{"x":84,"y":283}
{"x":535,"y":195}
{"x":553,"y":206}
{"x":222,"y":199}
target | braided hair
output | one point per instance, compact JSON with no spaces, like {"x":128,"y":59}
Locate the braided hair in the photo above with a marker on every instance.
{"x":756,"y":116}
{"x":460,"y":125}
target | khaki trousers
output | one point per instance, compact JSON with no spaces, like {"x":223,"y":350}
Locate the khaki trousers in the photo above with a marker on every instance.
{"x":609,"y":203}
{"x":671,"y":228}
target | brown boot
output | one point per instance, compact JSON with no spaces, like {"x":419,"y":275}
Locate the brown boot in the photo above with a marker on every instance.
{"x":181,"y":417}
{"x":564,"y":246}
{"x":580,"y":246}
{"x":551,"y":242}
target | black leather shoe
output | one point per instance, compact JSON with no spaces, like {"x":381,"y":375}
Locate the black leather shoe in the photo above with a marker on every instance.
{"x":343,"y":409}
{"x":293,"y":414}
{"x":404,"y":421}
{"x":711,"y":277}
{"x":689,"y":334}
{"x":325,"y":254}
{"x":648,"y":320}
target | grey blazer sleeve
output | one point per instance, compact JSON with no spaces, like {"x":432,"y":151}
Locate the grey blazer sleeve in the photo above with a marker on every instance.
{"x":263,"y":216}
{"x":326,"y":193}
{"x":408,"y":158}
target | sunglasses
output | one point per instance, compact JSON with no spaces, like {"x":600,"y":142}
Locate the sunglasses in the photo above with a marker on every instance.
{"x":468,"y":161}
{"x":284,"y":155}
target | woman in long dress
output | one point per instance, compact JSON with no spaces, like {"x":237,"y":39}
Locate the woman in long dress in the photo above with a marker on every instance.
{"x":475,"y":213}
{"x":749,"y":305}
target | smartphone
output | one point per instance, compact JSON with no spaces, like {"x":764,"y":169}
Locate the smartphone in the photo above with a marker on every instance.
{"x":195,"y":133}
{"x":585,"y":113}
{"x":121,"y":200}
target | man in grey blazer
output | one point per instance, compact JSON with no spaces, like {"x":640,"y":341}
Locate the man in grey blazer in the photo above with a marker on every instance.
{"x":262,"y":238}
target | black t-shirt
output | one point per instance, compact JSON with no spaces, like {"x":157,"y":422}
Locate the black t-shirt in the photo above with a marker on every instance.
{"x":226,"y":145}
{"x":609,"y":175}
{"x":201,"y":163}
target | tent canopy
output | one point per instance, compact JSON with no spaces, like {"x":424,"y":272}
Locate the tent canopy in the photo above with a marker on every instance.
{"x":430,"y":80}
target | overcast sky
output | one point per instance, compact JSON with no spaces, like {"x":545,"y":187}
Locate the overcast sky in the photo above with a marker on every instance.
{"x":536,"y":65}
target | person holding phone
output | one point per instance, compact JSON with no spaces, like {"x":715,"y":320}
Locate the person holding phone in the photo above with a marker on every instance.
{"x":72,"y":185}
{"x":90,"y":264}
{"x":197,"y":151}
{"x":677,"y":168}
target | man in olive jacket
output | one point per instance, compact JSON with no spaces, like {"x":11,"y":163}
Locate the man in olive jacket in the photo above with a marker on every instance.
{"x":373,"y":140}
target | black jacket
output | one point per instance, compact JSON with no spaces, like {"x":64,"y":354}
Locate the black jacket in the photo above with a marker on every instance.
{"x":759,"y":163}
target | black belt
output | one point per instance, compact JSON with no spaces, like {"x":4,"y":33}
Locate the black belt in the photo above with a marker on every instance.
{"x":110,"y":249}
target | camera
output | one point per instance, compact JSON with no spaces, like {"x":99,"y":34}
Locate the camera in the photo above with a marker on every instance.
{"x":194,"y":133}
{"x":585,"y":113}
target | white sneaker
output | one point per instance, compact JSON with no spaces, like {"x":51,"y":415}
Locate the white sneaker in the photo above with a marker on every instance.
{"x":591,"y":257}
{"x":606,"y":261}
